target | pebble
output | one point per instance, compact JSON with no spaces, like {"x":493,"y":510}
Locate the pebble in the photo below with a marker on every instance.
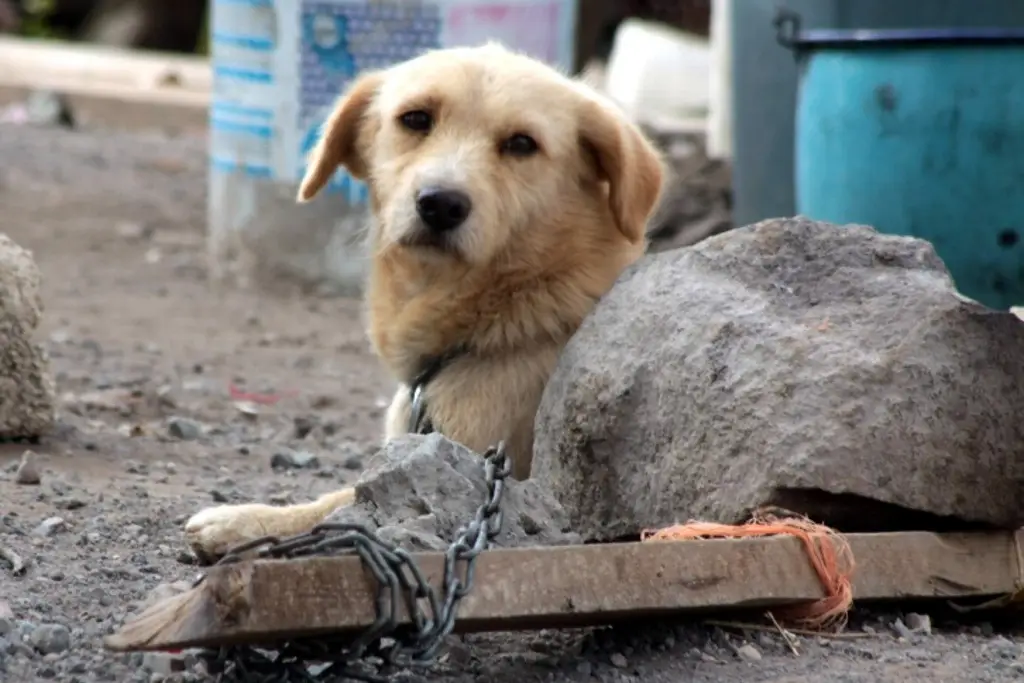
{"x":919,"y":623}
{"x":28,"y":473}
{"x":50,"y":638}
{"x":184,"y":429}
{"x":294,"y":460}
{"x":163,"y":663}
{"x":901,"y":629}
{"x":619,"y":660}
{"x":748,"y":653}
{"x":50,"y":526}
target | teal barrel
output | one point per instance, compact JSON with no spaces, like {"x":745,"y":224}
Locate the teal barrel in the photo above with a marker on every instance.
{"x":918,"y":132}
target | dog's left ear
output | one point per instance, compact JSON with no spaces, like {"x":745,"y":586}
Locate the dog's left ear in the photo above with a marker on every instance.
{"x":340,"y":141}
{"x":628,"y":162}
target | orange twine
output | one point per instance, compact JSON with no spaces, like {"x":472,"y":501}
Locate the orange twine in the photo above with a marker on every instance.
{"x":827,"y":550}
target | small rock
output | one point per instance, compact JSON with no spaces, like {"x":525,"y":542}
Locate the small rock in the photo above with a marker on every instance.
{"x":354,"y":463}
{"x":901,"y":629}
{"x":919,"y":623}
{"x":50,"y":526}
{"x":28,"y":473}
{"x":584,"y":668}
{"x":748,"y":653}
{"x":184,"y":429}
{"x":286,"y":460}
{"x":163,"y":663}
{"x":50,"y":638}
{"x":303,"y":425}
{"x":248,"y":409}
{"x":619,"y":660}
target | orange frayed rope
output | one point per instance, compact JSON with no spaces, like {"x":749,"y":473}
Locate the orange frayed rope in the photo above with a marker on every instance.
{"x":827,"y":550}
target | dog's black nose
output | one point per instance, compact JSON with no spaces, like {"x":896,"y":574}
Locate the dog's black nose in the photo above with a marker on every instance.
{"x":443,"y":210}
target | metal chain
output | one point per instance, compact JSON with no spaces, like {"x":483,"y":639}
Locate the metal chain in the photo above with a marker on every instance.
{"x":386,"y":645}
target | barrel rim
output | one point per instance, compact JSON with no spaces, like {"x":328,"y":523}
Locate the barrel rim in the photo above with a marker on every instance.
{"x":804,"y":39}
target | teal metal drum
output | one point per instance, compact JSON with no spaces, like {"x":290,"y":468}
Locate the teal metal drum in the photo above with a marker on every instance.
{"x":918,"y":132}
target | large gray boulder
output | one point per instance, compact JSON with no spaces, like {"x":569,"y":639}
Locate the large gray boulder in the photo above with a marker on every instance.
{"x":830,"y":370}
{"x":26,"y":387}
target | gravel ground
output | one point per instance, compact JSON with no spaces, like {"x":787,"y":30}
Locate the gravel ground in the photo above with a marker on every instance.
{"x":145,"y":355}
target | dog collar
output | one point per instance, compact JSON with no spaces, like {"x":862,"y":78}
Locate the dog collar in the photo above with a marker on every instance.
{"x":419,"y":422}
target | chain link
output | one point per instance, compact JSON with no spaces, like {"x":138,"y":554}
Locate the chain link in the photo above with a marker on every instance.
{"x":386,"y":645}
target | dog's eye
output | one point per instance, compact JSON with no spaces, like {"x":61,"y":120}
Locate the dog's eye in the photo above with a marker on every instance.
{"x":519,"y":145}
{"x":418,"y":121}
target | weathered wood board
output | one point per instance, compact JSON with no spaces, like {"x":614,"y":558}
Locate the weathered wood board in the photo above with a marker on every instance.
{"x":268,"y":601}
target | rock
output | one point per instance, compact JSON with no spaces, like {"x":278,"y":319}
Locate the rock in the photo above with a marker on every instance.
{"x":184,"y":429}
{"x":27,"y":401}
{"x":748,"y":653}
{"x":294,"y":460}
{"x":28,"y":473}
{"x":833,"y":371}
{"x":50,"y":526}
{"x":163,"y":663}
{"x":901,"y":629}
{"x":50,"y":639}
{"x":919,"y":623}
{"x":618,"y":660}
{"x":418,"y":491}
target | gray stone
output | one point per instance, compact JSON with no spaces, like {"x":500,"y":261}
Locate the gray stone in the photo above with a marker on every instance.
{"x":50,"y":526}
{"x":748,"y":653}
{"x":919,"y":623}
{"x":833,"y":371}
{"x":50,"y":639}
{"x":184,"y":428}
{"x":27,"y":402}
{"x":294,"y":460}
{"x":418,"y":491}
{"x":28,"y":473}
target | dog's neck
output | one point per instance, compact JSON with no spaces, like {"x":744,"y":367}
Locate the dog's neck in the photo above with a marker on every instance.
{"x":419,"y":312}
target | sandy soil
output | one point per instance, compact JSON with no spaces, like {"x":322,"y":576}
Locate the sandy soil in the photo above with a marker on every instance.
{"x":145,"y":355}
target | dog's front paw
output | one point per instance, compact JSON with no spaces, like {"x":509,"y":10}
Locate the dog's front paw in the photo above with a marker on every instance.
{"x":214,"y":531}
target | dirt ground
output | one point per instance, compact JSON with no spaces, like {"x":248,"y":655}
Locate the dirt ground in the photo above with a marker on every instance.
{"x":146,"y":356}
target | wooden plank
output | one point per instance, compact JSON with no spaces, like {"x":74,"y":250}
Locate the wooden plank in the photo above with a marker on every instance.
{"x":273,"y":600}
{"x":103,"y":71}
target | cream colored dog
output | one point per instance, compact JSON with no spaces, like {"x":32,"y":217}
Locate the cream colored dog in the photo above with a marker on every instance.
{"x":507,"y":200}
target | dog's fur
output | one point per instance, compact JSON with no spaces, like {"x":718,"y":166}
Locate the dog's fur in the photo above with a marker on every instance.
{"x":548,"y":234}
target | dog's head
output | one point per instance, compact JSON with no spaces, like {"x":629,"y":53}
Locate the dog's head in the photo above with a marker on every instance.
{"x":472,"y":152}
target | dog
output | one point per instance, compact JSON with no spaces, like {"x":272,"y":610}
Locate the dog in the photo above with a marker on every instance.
{"x":507,"y":199}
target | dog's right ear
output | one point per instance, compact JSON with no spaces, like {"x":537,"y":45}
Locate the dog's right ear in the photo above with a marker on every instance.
{"x":343,"y":137}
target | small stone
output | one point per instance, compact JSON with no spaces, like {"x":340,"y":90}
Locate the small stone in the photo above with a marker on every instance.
{"x":50,"y":638}
{"x":184,"y":429}
{"x":901,"y":629}
{"x":919,"y":623}
{"x":28,"y":473}
{"x":248,"y":409}
{"x":49,"y":527}
{"x":619,"y":660}
{"x":748,"y":653}
{"x":297,"y":460}
{"x":354,"y":463}
{"x":303,"y":425}
{"x":163,"y":663}
{"x":584,"y":668}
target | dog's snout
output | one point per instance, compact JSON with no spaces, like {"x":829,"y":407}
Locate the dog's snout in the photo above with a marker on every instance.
{"x":442,"y":209}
